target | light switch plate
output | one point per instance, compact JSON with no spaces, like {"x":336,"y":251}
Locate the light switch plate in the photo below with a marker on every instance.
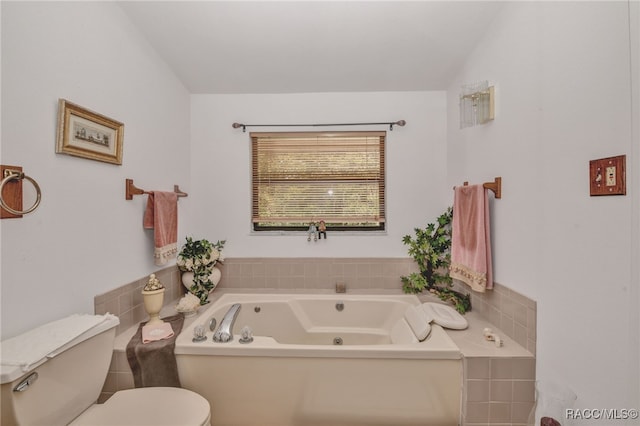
{"x":607,"y":176}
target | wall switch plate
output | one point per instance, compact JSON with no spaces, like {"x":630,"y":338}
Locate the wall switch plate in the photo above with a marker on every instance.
{"x":607,"y":176}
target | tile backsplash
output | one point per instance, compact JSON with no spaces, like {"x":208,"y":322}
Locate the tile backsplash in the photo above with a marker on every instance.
{"x":315,"y":273}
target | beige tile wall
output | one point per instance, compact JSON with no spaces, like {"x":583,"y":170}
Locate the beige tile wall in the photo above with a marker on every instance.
{"x":315,"y":273}
{"x":118,"y":378}
{"x":498,"y":391}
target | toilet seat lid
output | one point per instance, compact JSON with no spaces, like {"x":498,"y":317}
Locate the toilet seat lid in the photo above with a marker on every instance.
{"x":158,"y":406}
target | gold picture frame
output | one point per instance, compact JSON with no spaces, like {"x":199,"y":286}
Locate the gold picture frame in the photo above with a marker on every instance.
{"x":87,"y":134}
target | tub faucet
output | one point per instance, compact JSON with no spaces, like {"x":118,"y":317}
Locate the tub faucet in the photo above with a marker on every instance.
{"x":224,"y":332}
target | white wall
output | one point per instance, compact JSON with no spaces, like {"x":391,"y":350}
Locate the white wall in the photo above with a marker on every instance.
{"x":563,"y":83}
{"x":634,"y":179}
{"x":85,"y":238}
{"x":221,"y":172}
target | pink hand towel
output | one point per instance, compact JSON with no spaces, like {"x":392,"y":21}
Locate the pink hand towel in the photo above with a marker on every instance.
{"x":161,"y":215}
{"x":470,"y":238}
{"x":152,"y":332}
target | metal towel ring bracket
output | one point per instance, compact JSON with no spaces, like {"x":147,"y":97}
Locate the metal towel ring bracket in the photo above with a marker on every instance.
{"x":10,"y":175}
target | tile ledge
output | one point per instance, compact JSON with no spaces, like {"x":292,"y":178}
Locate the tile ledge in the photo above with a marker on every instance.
{"x":471,"y":341}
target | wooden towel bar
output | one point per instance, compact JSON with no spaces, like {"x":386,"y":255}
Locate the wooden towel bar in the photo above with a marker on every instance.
{"x":131,"y":190}
{"x":495,"y":186}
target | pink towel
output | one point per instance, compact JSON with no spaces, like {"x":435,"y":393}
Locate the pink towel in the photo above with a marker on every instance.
{"x":470,"y":239}
{"x":161,"y":215}
{"x":152,"y":332}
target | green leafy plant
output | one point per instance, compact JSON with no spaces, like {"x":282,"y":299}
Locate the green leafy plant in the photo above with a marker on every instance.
{"x":199,"y":257}
{"x":431,"y":249}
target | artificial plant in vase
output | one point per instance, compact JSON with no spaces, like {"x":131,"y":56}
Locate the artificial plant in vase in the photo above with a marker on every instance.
{"x":199,"y":257}
{"x":431,"y":249}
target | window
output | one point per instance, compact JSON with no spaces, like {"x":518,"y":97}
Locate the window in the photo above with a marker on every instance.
{"x":298,"y":178}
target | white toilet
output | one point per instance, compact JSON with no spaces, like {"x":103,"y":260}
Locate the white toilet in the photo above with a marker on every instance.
{"x":62,"y":388}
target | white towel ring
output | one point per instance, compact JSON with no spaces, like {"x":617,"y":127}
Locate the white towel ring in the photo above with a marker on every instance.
{"x":15,"y":175}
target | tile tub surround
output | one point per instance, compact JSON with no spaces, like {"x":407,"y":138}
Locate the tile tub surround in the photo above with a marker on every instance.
{"x":499,"y":383}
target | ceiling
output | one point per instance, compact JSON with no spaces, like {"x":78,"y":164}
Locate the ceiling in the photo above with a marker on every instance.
{"x":312,"y":46}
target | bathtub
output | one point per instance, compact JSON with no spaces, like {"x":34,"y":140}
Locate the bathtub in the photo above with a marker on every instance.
{"x":322,"y":360}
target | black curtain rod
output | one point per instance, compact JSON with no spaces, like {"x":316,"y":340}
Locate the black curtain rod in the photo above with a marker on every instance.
{"x":390,"y":123}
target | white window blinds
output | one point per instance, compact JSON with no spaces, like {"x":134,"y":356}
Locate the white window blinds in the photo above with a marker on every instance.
{"x":300,"y":178}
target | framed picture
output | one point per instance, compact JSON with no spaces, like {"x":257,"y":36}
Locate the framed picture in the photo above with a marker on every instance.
{"x":87,"y":134}
{"x":607,"y":176}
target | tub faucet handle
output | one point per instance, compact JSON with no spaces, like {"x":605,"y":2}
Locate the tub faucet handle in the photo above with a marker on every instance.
{"x":199,"y":334}
{"x":246,"y":335}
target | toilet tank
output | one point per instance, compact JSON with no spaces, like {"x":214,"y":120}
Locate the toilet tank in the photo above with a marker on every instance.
{"x":61,"y":385}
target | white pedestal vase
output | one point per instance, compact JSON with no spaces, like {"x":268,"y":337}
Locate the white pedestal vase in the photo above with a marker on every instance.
{"x":214,"y":277}
{"x":152,"y":301}
{"x":187,"y":279}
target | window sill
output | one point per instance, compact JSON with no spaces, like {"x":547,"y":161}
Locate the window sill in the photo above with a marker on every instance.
{"x":304,"y":233}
